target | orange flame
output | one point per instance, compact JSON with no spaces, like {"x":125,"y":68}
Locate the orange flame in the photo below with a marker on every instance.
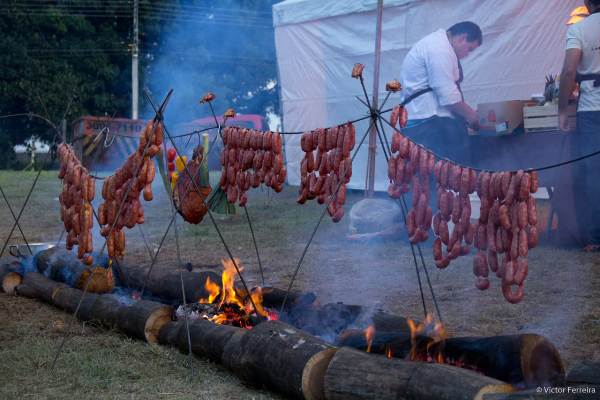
{"x":433,"y":329}
{"x":228,"y":295}
{"x":213,"y":290}
{"x":369,"y":335}
{"x":388,"y":351}
{"x":257,"y":298}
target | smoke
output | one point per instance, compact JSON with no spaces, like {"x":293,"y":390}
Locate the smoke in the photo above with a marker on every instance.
{"x":223,"y":47}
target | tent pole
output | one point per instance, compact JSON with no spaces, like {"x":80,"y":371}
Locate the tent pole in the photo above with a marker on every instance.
{"x":373,"y":134}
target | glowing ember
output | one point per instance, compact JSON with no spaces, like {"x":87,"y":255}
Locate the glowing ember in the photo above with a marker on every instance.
{"x":224,"y":305}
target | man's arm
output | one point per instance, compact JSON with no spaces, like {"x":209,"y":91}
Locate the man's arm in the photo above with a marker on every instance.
{"x":567,"y":83}
{"x":465,"y":111}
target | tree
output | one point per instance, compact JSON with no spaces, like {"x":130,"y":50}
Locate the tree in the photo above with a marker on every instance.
{"x":77,"y":51}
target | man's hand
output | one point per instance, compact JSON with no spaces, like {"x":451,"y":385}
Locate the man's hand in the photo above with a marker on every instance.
{"x":474,"y":125}
{"x":563,"y":122}
{"x":463,"y":110}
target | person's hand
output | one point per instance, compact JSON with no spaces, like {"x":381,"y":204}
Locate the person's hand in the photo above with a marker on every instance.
{"x":474,"y":125}
{"x":563,"y":121}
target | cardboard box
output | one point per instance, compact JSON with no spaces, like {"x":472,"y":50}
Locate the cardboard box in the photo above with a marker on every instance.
{"x":502,"y":117}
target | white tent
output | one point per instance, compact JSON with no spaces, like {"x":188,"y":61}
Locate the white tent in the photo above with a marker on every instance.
{"x":318,"y":42}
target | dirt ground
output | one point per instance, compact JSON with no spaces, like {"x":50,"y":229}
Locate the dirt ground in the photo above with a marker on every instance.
{"x":562,"y":294}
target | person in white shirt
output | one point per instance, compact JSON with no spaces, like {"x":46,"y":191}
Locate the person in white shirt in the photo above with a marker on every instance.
{"x":431,"y":74}
{"x":582,"y":65}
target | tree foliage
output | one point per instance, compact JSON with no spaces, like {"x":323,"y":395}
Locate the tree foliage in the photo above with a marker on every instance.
{"x":77,"y":52}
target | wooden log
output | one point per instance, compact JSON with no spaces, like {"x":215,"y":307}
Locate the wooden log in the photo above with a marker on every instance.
{"x":63,"y":266}
{"x":144,"y":319}
{"x":527,"y":359}
{"x":398,"y":344}
{"x":584,"y":373}
{"x":324,"y":321}
{"x":105,"y":310}
{"x":313,"y":375}
{"x":232,"y":353}
{"x":10,"y":281}
{"x":354,"y":375}
{"x":35,"y":285}
{"x":273,"y":297}
{"x":275,"y":354}
{"x":167,"y":284}
{"x":207,"y":338}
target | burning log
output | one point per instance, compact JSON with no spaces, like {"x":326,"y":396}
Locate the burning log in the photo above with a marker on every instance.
{"x":273,"y":353}
{"x":518,"y":359}
{"x":143,"y":319}
{"x":63,"y":266}
{"x":354,"y":374}
{"x":207,"y":338}
{"x":273,"y":297}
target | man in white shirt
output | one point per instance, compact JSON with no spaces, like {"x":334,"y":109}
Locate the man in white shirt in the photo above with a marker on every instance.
{"x":582,"y":65}
{"x":431,"y":71}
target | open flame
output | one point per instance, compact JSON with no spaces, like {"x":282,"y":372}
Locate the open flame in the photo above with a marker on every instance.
{"x":369,"y":335}
{"x":228,"y":294}
{"x":432,"y":329}
{"x":213,"y":289}
{"x":232,"y":308}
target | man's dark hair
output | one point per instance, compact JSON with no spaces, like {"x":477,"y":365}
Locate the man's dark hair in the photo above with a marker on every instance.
{"x":595,"y":2}
{"x":471,"y":29}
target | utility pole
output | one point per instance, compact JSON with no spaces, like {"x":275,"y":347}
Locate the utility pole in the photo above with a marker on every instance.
{"x":370,"y":189}
{"x":135,"y":63}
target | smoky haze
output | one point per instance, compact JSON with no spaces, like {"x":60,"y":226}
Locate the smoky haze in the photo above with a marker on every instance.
{"x":226,"y":47}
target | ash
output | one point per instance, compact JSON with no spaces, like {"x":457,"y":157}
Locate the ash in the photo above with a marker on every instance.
{"x":196,"y":311}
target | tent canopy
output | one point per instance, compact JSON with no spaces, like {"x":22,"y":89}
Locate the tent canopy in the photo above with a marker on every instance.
{"x":318,"y":42}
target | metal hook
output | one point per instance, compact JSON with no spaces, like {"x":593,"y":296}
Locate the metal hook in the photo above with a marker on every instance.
{"x":107,"y":142}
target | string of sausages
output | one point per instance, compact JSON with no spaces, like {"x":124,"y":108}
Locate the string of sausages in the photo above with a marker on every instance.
{"x":330,"y":169}
{"x":507,"y":225}
{"x":249,"y":158}
{"x":76,"y":213}
{"x":507,"y":221}
{"x":121,"y":191}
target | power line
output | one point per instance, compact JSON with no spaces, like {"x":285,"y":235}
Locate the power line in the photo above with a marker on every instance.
{"x":151,"y":9}
{"x":160,"y":5}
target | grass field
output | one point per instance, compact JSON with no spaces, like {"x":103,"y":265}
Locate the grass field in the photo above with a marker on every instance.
{"x":562,"y":295}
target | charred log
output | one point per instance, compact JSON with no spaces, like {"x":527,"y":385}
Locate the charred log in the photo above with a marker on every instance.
{"x":519,"y":359}
{"x":167,"y":285}
{"x":354,"y":375}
